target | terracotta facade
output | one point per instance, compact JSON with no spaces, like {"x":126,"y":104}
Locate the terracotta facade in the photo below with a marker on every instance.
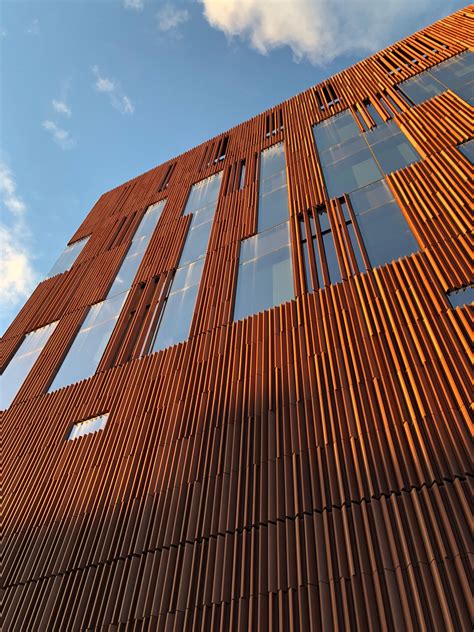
{"x":305,"y":468}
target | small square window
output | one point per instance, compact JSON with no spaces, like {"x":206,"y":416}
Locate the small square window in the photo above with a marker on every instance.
{"x":461,"y":297}
{"x":88,"y":426}
{"x":467,"y":149}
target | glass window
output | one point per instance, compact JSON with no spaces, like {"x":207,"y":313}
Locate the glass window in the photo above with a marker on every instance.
{"x":310,"y":286}
{"x":349,"y":164}
{"x":128,"y":270}
{"x":147,"y":226}
{"x":68,"y":257}
{"x":196,"y":242}
{"x":331,"y":258}
{"x":179,"y":308}
{"x":177,"y":313}
{"x":89,"y":345}
{"x":343,"y":150}
{"x":82,"y":428}
{"x":242,"y":175}
{"x":328,"y":254}
{"x":363,"y":158}
{"x":351,"y":173}
{"x":456,"y":73}
{"x":273,"y":209}
{"x":273,"y":193}
{"x":264,"y":243}
{"x":272,"y":160}
{"x":384,"y":229}
{"x":307,"y":269}
{"x":391,"y":148}
{"x":378,"y":120}
{"x":265,"y":277}
{"x":467,"y":149}
{"x":203,"y":193}
{"x":124,"y":277}
{"x":335,"y":130}
{"x":461,"y":297}
{"x":421,"y":88}
{"x":22,"y":362}
{"x":355,"y":247}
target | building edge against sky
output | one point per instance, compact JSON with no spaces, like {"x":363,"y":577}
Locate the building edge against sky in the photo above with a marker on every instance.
{"x":297,"y":454}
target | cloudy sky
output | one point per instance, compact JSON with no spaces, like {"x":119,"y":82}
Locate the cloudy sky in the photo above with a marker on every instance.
{"x":95,"y":92}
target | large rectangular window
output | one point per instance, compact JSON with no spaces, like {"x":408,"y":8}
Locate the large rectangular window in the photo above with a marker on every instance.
{"x":177,"y":313}
{"x":390,"y":147}
{"x":22,"y":362}
{"x":347,"y":162}
{"x":265,"y":277}
{"x":128,"y":270}
{"x":89,"y":345}
{"x":273,"y":192}
{"x":327,"y":254}
{"x":352,"y":159}
{"x":68,"y":257}
{"x":456,"y":73}
{"x":383,"y":227}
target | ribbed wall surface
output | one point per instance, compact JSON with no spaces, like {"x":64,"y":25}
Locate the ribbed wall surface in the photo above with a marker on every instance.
{"x":304,"y":469}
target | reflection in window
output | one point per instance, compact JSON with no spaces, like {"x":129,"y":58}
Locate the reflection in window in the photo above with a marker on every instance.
{"x":89,"y":426}
{"x":390,"y":147}
{"x":86,"y":351}
{"x":265,"y":277}
{"x":89,"y":345}
{"x":127,"y":271}
{"x":242,"y":175}
{"x":384,"y":229}
{"x":351,"y":159}
{"x":273,"y":193}
{"x":22,"y":362}
{"x":456,"y":73}
{"x":177,"y":313}
{"x":354,"y":243}
{"x":203,"y":193}
{"x":461,"y":297}
{"x":467,"y":149}
{"x":328,"y":253}
{"x":68,"y":257}
{"x":421,"y":88}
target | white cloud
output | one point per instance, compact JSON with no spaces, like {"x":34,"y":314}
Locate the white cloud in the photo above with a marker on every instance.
{"x":33,"y":28}
{"x":169,"y":17}
{"x":137,"y":5}
{"x":10,"y":198}
{"x":318,"y":30}
{"x":127,"y":105}
{"x":60,"y":136}
{"x":104,"y":85}
{"x":118,"y":99}
{"x":61,"y":107}
{"x":17,"y":274}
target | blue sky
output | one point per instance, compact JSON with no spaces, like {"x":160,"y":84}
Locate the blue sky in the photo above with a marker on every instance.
{"x":94,"y":93}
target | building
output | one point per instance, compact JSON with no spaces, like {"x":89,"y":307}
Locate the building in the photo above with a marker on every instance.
{"x":241,"y":399}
